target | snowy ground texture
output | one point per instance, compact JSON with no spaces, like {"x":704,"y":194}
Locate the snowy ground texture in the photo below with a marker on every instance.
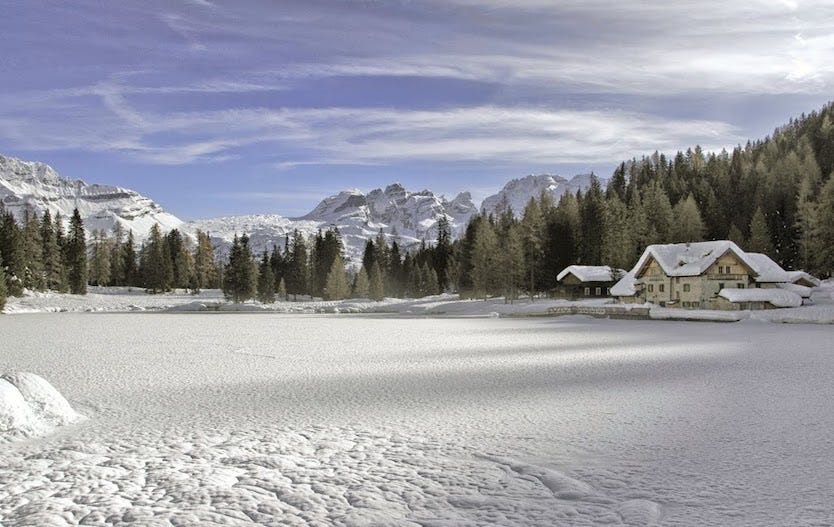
{"x":119,"y":299}
{"x":266,"y":419}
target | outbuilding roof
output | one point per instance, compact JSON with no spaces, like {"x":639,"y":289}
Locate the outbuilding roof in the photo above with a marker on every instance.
{"x":591,"y":273}
{"x":796,"y":276}
{"x":627,"y":286}
{"x":776,"y":296}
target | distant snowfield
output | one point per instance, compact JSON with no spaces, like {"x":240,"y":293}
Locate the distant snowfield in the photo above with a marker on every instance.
{"x":121,"y":299}
{"x":243,"y":419}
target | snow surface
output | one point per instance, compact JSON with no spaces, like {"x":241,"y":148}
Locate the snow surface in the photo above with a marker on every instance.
{"x":818,"y":310}
{"x":778,"y":297}
{"x":30,"y":406}
{"x":329,"y":420}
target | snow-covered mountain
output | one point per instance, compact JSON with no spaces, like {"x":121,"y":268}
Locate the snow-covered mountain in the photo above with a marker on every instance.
{"x":519,"y":191}
{"x":39,"y":187}
{"x":409,"y":217}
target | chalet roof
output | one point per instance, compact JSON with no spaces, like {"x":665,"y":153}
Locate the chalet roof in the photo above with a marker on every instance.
{"x":776,"y":296}
{"x":795,"y":276}
{"x":766,"y":269}
{"x":591,"y":273}
{"x":687,"y":259}
{"x":693,"y":259}
{"x":627,"y":286}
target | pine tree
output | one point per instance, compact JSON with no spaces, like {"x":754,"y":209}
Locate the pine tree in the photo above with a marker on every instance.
{"x":11,"y":249}
{"x":532,"y":227}
{"x":205,"y":271}
{"x":658,"y":213}
{"x":736,"y":236}
{"x":510,"y":260}
{"x":432,"y":286}
{"x":128,"y":256}
{"x":75,"y":252}
{"x":362,"y":285}
{"x":336,"y":286}
{"x":240,"y":277}
{"x":484,"y":256}
{"x":617,"y":240}
{"x":266,"y":281}
{"x":282,"y":290}
{"x":376,"y":289}
{"x":297,"y":268}
{"x":592,"y":227}
{"x":117,"y":263}
{"x":688,"y":226}
{"x":155,"y":263}
{"x":61,"y":242}
{"x":100,"y":259}
{"x":759,"y":236}
{"x":822,"y":254}
{"x":3,"y":291}
{"x":53,"y":270}
{"x":33,"y":277}
{"x":442,"y":252}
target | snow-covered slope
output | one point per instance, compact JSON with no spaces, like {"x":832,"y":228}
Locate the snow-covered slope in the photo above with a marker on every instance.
{"x":38,"y":186}
{"x":518,"y":192}
{"x":409,"y":217}
{"x":404,"y":215}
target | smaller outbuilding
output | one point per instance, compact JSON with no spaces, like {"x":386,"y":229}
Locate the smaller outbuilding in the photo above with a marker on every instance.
{"x":587,"y":281}
{"x":804,"y":279}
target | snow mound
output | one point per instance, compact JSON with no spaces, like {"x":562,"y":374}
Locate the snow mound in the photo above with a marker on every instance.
{"x":30,"y":406}
{"x":777,"y":297}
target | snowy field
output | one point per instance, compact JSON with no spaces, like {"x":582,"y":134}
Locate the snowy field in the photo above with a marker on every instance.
{"x":267,"y":419}
{"x":121,"y":299}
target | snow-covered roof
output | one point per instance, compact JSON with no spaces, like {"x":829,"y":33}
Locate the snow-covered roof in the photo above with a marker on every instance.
{"x":687,"y":259}
{"x":693,"y":259}
{"x":776,"y":296}
{"x":591,"y":273}
{"x":801,"y":290}
{"x":766,"y":269}
{"x":795,"y":276}
{"x":627,"y":286}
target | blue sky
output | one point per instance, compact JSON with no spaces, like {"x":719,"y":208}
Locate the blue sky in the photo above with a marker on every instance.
{"x":215,"y":107}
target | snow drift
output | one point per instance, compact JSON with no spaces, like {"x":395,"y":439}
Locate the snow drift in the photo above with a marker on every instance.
{"x":30,"y":406}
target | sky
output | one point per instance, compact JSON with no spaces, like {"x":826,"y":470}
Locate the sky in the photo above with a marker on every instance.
{"x":215,"y":107}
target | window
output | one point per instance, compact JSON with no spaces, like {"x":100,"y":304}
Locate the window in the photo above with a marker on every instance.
{"x":740,"y":286}
{"x":587,"y":291}
{"x":599,"y":291}
{"x":686,"y":288}
{"x":651,"y":288}
{"x":686,"y":304}
{"x":661,"y":287}
{"x":695,"y":304}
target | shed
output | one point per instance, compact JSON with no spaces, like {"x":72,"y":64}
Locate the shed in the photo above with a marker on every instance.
{"x":587,"y":281}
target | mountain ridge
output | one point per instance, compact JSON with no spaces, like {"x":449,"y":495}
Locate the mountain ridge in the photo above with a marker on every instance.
{"x":409,"y":217}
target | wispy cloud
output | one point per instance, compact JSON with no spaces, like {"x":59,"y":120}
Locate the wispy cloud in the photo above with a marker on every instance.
{"x":354,"y":136}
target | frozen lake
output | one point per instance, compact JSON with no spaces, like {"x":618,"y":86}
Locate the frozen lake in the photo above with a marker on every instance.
{"x":344,"y":420}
